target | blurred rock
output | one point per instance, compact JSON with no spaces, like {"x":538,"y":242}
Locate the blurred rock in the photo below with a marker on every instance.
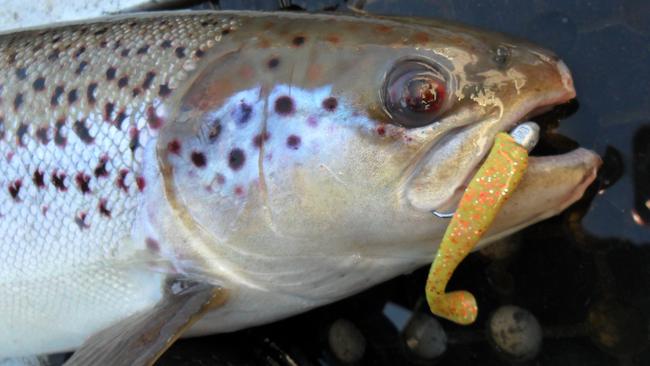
{"x":515,"y":332}
{"x":346,"y":342}
{"x":425,"y":337}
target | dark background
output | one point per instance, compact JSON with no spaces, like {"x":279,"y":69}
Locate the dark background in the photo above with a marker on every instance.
{"x":584,"y":275}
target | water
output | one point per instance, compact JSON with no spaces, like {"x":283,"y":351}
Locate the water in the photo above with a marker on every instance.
{"x":584,"y":275}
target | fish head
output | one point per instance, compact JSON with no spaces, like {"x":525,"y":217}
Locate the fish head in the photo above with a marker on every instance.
{"x":328,"y":136}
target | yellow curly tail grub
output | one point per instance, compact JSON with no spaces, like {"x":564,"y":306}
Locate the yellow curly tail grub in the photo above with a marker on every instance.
{"x":489,"y":189}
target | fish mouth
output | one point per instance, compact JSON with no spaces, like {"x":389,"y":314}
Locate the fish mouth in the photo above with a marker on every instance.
{"x":550,"y":184}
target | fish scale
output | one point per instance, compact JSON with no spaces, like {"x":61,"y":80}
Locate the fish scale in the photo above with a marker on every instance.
{"x":71,"y":97}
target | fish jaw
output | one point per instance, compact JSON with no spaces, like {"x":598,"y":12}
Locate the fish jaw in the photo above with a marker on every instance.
{"x":439,"y":181}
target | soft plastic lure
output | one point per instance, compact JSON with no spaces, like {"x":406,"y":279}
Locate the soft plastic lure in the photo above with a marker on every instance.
{"x":486,"y":193}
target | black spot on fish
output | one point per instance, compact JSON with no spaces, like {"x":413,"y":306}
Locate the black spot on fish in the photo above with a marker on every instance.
{"x":81,"y":130}
{"x":100,"y":31}
{"x":284,"y":105}
{"x":83,"y":182}
{"x":100,"y":170}
{"x":124,"y":81}
{"x":20,"y":134}
{"x":59,"y":139}
{"x":81,"y":50}
{"x":72,"y":96}
{"x":148,"y":79}
{"x":164,"y":90}
{"x":42,"y":135}
{"x":134,"y":142}
{"x":108,"y":111}
{"x":54,"y":55}
{"x":225,"y":32}
{"x":21,"y":73}
{"x":330,"y":104}
{"x":199,"y":53}
{"x":142,"y":50}
{"x":90,"y":93}
{"x":39,"y":179}
{"x":298,"y":41}
{"x":135,"y":92}
{"x":198,"y":159}
{"x":2,"y":127}
{"x":125,"y":52}
{"x":293,"y":142}
{"x":103,"y":208}
{"x":39,"y":84}
{"x":58,"y":180}
{"x":58,"y":91}
{"x":166,"y":44}
{"x":245,"y":113}
{"x":180,"y":52}
{"x":119,"y":119}
{"x":236,"y":159}
{"x":14,"y":189}
{"x":18,"y":101}
{"x":81,"y":67}
{"x":110,"y":73}
{"x":80,"y":220}
{"x":273,"y":63}
{"x":121,"y":180}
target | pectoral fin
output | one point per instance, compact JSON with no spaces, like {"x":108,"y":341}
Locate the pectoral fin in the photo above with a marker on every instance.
{"x":143,"y":337}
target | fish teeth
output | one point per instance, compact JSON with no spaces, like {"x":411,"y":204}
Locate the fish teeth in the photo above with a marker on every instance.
{"x":526,"y":134}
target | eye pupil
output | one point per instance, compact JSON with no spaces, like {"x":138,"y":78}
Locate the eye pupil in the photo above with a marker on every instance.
{"x":423,"y":95}
{"x":415,"y":93}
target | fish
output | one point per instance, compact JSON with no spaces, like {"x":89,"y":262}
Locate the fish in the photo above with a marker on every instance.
{"x":169,"y":174}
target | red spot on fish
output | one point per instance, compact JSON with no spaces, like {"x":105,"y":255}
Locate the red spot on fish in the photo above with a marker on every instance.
{"x":103,"y":208}
{"x":284,"y":105}
{"x":121,"y":180}
{"x":221,"y":179}
{"x":420,"y":37}
{"x":333,"y":38}
{"x":119,"y":119}
{"x":312,"y":121}
{"x":293,"y":142}
{"x":14,"y":189}
{"x":39,"y":179}
{"x":58,"y":180}
{"x":239,"y":190}
{"x":80,"y":220}
{"x":10,"y":156}
{"x":141,"y":183}
{"x":153,"y":119}
{"x":383,"y":28}
{"x":152,"y":245}
{"x":83,"y":181}
{"x":44,"y":210}
{"x":381,"y":130}
{"x":174,"y":147}
{"x":259,"y":139}
{"x":198,"y":158}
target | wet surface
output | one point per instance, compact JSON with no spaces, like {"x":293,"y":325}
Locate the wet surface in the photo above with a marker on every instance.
{"x":584,"y":275}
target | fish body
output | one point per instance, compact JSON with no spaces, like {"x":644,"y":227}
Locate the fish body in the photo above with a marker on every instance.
{"x":291,"y":159}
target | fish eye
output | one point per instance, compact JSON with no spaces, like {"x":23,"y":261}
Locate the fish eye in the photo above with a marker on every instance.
{"x":414,"y":93}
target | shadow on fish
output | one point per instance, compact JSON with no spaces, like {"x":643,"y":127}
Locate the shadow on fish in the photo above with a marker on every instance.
{"x":179,"y":174}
